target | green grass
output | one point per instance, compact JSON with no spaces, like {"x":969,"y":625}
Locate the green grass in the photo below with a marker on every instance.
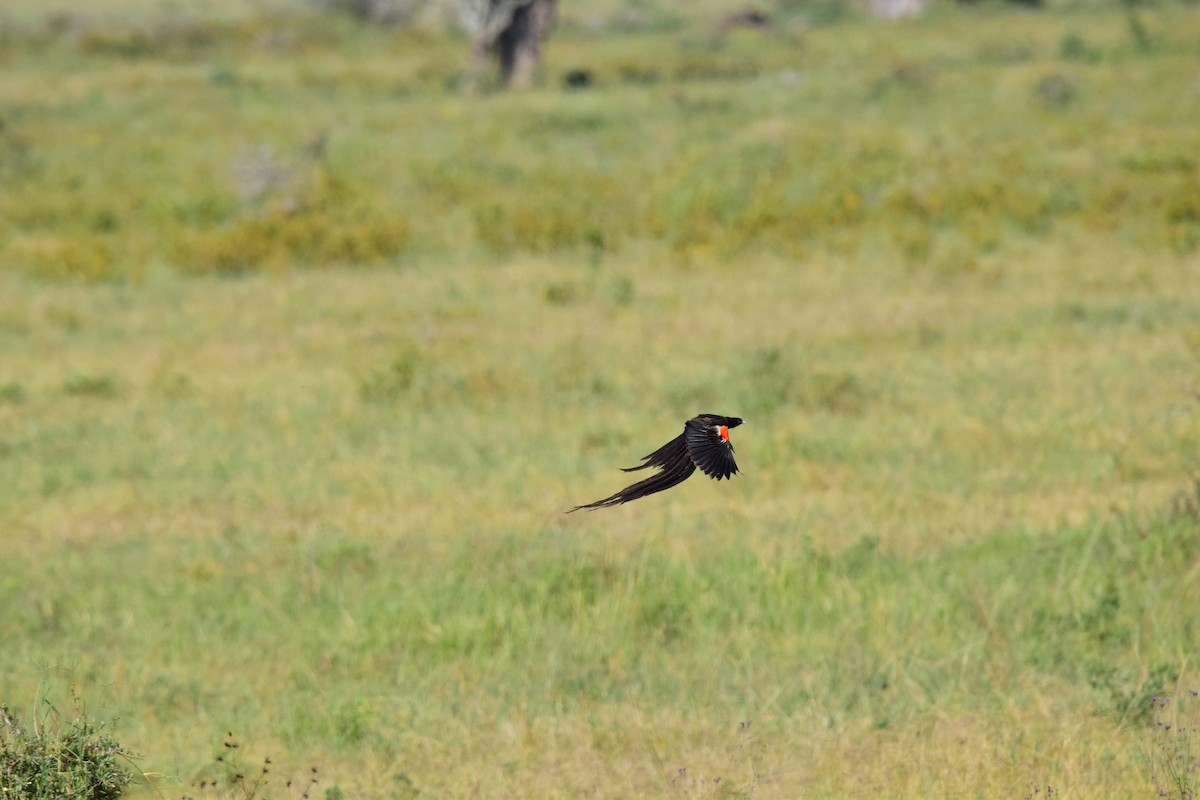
{"x":304,"y":352}
{"x":266,"y":143}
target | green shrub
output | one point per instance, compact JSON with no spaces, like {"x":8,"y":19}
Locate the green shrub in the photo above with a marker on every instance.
{"x":59,"y":760}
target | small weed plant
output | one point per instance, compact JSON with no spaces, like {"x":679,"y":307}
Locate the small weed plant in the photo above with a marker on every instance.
{"x":1172,"y":750}
{"x":227,"y":777}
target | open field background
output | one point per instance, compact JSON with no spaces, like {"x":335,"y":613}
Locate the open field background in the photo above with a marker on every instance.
{"x":304,"y":351}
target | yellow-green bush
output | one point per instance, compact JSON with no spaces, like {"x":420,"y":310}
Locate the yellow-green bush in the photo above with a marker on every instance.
{"x":85,"y":257}
{"x":280,"y":240}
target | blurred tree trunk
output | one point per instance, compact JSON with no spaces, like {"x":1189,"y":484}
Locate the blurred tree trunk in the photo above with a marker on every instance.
{"x":510,"y":31}
{"x":519,"y":45}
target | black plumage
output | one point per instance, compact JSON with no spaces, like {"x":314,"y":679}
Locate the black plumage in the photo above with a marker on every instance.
{"x":704,"y":444}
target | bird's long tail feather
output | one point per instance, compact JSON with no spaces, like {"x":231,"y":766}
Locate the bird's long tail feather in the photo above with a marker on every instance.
{"x":674,"y":473}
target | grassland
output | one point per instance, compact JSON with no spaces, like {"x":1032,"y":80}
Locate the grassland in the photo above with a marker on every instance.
{"x":304,"y":351}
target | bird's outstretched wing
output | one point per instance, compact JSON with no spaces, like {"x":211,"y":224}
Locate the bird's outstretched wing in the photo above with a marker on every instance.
{"x":709,"y":447}
{"x":667,"y":454}
{"x":676,"y":468}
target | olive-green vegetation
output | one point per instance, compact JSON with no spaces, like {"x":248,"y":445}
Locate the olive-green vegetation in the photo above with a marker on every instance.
{"x":52,"y":758}
{"x":304,"y":350}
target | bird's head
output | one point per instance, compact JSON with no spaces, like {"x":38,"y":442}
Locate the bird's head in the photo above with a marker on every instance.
{"x":733,"y":422}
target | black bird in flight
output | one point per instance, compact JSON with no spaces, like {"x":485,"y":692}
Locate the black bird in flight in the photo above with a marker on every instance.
{"x":704,"y":443}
